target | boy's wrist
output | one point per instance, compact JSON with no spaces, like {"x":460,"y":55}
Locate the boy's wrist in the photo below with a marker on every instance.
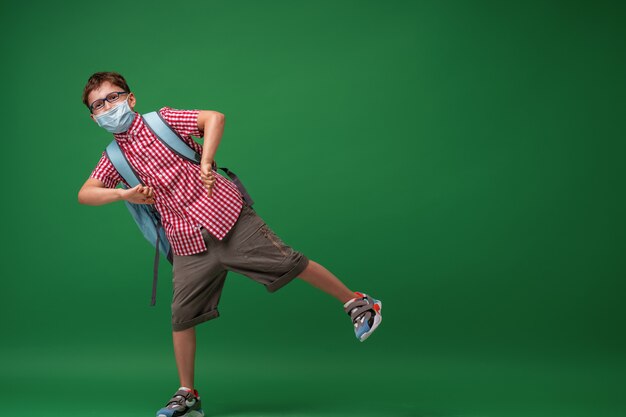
{"x":210,"y":162}
{"x":119,"y":194}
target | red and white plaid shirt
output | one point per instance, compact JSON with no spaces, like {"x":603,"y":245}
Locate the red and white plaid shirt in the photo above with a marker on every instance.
{"x":180,"y":196}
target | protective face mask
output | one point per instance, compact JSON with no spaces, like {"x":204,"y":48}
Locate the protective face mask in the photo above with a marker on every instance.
{"x":118,"y":119}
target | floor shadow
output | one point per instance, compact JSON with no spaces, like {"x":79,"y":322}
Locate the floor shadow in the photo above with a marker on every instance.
{"x":277,"y":408}
{"x":313,"y":409}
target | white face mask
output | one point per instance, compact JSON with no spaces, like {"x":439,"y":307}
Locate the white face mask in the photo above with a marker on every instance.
{"x":118,"y":119}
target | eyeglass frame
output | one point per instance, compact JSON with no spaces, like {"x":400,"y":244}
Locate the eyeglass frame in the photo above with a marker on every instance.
{"x":106,"y":99}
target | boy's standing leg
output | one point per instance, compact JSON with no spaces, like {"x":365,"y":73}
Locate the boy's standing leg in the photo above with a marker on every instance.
{"x":185,"y":352}
{"x":198,"y":280}
{"x":186,"y":400}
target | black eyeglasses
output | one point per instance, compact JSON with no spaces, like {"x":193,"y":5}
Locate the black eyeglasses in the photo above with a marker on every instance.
{"x":111,"y":98}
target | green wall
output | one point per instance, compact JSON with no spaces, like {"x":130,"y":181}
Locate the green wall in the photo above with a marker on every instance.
{"x":462,"y":161}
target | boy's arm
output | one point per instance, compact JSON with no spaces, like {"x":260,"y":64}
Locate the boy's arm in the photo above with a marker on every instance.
{"x":94,"y":193}
{"x":200,"y":123}
{"x":212,"y":124}
{"x":208,"y":124}
{"x":100,"y":186}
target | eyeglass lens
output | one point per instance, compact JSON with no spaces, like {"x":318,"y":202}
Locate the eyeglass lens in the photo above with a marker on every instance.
{"x":111,"y":98}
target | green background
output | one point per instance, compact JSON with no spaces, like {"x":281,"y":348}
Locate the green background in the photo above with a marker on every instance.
{"x":462,"y":161}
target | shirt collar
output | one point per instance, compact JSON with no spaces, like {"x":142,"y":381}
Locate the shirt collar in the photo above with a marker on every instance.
{"x":128,"y":135}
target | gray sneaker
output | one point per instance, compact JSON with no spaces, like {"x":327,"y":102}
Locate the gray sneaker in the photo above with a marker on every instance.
{"x":184,"y":403}
{"x":366,"y":314}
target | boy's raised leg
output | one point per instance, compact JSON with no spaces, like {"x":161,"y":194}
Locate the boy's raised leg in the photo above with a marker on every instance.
{"x":320,"y":277}
{"x":365,"y":311}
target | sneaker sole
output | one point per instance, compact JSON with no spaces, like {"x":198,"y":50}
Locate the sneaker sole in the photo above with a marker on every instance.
{"x":193,"y":413}
{"x":377,"y":320}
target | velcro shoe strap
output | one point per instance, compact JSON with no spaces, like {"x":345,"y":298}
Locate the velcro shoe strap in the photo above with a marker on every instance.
{"x":359,"y":307}
{"x":183,"y":393}
{"x":356,"y":303}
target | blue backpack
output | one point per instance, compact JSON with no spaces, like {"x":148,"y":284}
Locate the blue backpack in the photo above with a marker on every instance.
{"x":145,"y":215}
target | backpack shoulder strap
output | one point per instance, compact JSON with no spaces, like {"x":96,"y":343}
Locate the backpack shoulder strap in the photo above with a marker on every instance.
{"x":121,"y":164}
{"x":169,"y":137}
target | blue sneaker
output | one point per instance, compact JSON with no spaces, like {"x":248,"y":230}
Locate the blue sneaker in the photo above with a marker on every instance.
{"x":365,"y":313}
{"x":184,"y":403}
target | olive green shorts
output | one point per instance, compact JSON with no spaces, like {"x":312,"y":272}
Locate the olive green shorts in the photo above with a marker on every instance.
{"x":250,"y":248}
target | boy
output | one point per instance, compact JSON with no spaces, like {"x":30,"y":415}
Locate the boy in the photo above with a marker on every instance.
{"x":209,"y":225}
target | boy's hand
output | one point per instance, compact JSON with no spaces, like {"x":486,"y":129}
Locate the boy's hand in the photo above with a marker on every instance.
{"x":139,"y":194}
{"x":206,"y":175}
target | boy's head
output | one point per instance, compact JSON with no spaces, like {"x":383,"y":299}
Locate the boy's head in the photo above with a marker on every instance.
{"x":101,"y":85}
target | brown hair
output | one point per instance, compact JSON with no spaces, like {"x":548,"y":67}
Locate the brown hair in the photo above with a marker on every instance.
{"x":98,"y":78}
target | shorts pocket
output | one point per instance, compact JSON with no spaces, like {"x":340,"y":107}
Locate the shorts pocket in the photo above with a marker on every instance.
{"x":263,"y":251}
{"x":247,"y":241}
{"x":276,"y":241}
